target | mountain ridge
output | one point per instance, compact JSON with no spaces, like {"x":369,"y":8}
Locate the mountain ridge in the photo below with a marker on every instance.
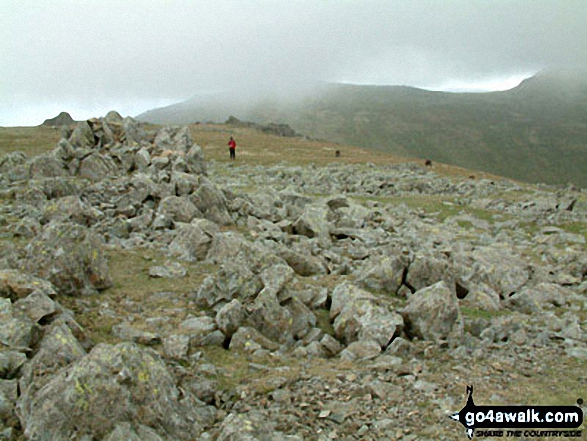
{"x":535,"y":132}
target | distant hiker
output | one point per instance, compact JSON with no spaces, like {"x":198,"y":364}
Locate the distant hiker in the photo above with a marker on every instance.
{"x":232,"y":148}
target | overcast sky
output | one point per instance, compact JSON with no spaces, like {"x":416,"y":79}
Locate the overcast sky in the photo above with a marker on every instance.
{"x":87,"y":57}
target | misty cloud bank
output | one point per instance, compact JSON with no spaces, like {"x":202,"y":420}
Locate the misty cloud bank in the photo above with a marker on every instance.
{"x":132,"y":54}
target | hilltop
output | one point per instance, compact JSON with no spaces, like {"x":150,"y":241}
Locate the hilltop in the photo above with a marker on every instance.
{"x":63,"y":119}
{"x":150,"y":289}
{"x":536,"y":132}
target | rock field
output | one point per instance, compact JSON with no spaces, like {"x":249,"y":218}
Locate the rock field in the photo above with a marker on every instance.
{"x":146,"y":294}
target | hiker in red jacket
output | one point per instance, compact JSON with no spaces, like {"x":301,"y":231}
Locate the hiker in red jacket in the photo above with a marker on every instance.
{"x":232,"y":148}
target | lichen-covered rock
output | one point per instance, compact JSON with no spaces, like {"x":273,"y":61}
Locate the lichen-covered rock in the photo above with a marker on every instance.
{"x":426,"y":270}
{"x":230,"y":317}
{"x":47,"y":166}
{"x":70,"y":208}
{"x":70,"y":257}
{"x":57,"y":349}
{"x":544,"y":295}
{"x":381,"y":273}
{"x":249,"y":339}
{"x":211,"y":202}
{"x":173,"y":139}
{"x":36,"y":306}
{"x":496,"y":266}
{"x":109,"y":386}
{"x":180,"y":209}
{"x":357,"y":315}
{"x":96,"y":167}
{"x":433,"y":313}
{"x":233,"y":249}
{"x":10,"y":363}
{"x":314,"y":223}
{"x":82,"y":136}
{"x":230,"y":282}
{"x":17,"y":285}
{"x":17,"y":329}
{"x":126,"y":432}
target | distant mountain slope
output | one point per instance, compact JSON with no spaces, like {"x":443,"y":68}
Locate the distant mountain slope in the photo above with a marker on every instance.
{"x":536,"y":132}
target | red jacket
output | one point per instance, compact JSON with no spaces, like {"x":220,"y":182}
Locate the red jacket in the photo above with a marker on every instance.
{"x":232,"y":144}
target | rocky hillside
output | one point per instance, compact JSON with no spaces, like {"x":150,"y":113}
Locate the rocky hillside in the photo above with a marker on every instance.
{"x":146,"y":294}
{"x":536,"y":132}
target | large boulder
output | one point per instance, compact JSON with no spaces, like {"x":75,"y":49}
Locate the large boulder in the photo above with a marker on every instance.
{"x":426,"y":270}
{"x":496,"y":266}
{"x":232,"y":281}
{"x":70,"y":257}
{"x":230,"y":317}
{"x":270,"y":318}
{"x":47,"y":166}
{"x":314,"y":222}
{"x":174,"y":139}
{"x":381,"y":274}
{"x":232,"y":248}
{"x":358,"y":315}
{"x":191,"y":242}
{"x":180,"y":209}
{"x":96,"y":167}
{"x":211,"y":202}
{"x":70,"y":208}
{"x":433,"y":314}
{"x":57,"y":349}
{"x":110,"y":386}
{"x":82,"y":136}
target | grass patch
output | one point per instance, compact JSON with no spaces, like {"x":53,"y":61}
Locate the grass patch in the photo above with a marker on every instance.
{"x":136,"y":297}
{"x":323,"y":321}
{"x":474,"y":313}
{"x":30,"y":140}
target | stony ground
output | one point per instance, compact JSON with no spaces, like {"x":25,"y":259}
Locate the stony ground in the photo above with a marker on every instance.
{"x":149,"y":294}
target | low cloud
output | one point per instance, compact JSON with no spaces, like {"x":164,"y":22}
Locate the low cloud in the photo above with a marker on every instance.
{"x":91,"y":54}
